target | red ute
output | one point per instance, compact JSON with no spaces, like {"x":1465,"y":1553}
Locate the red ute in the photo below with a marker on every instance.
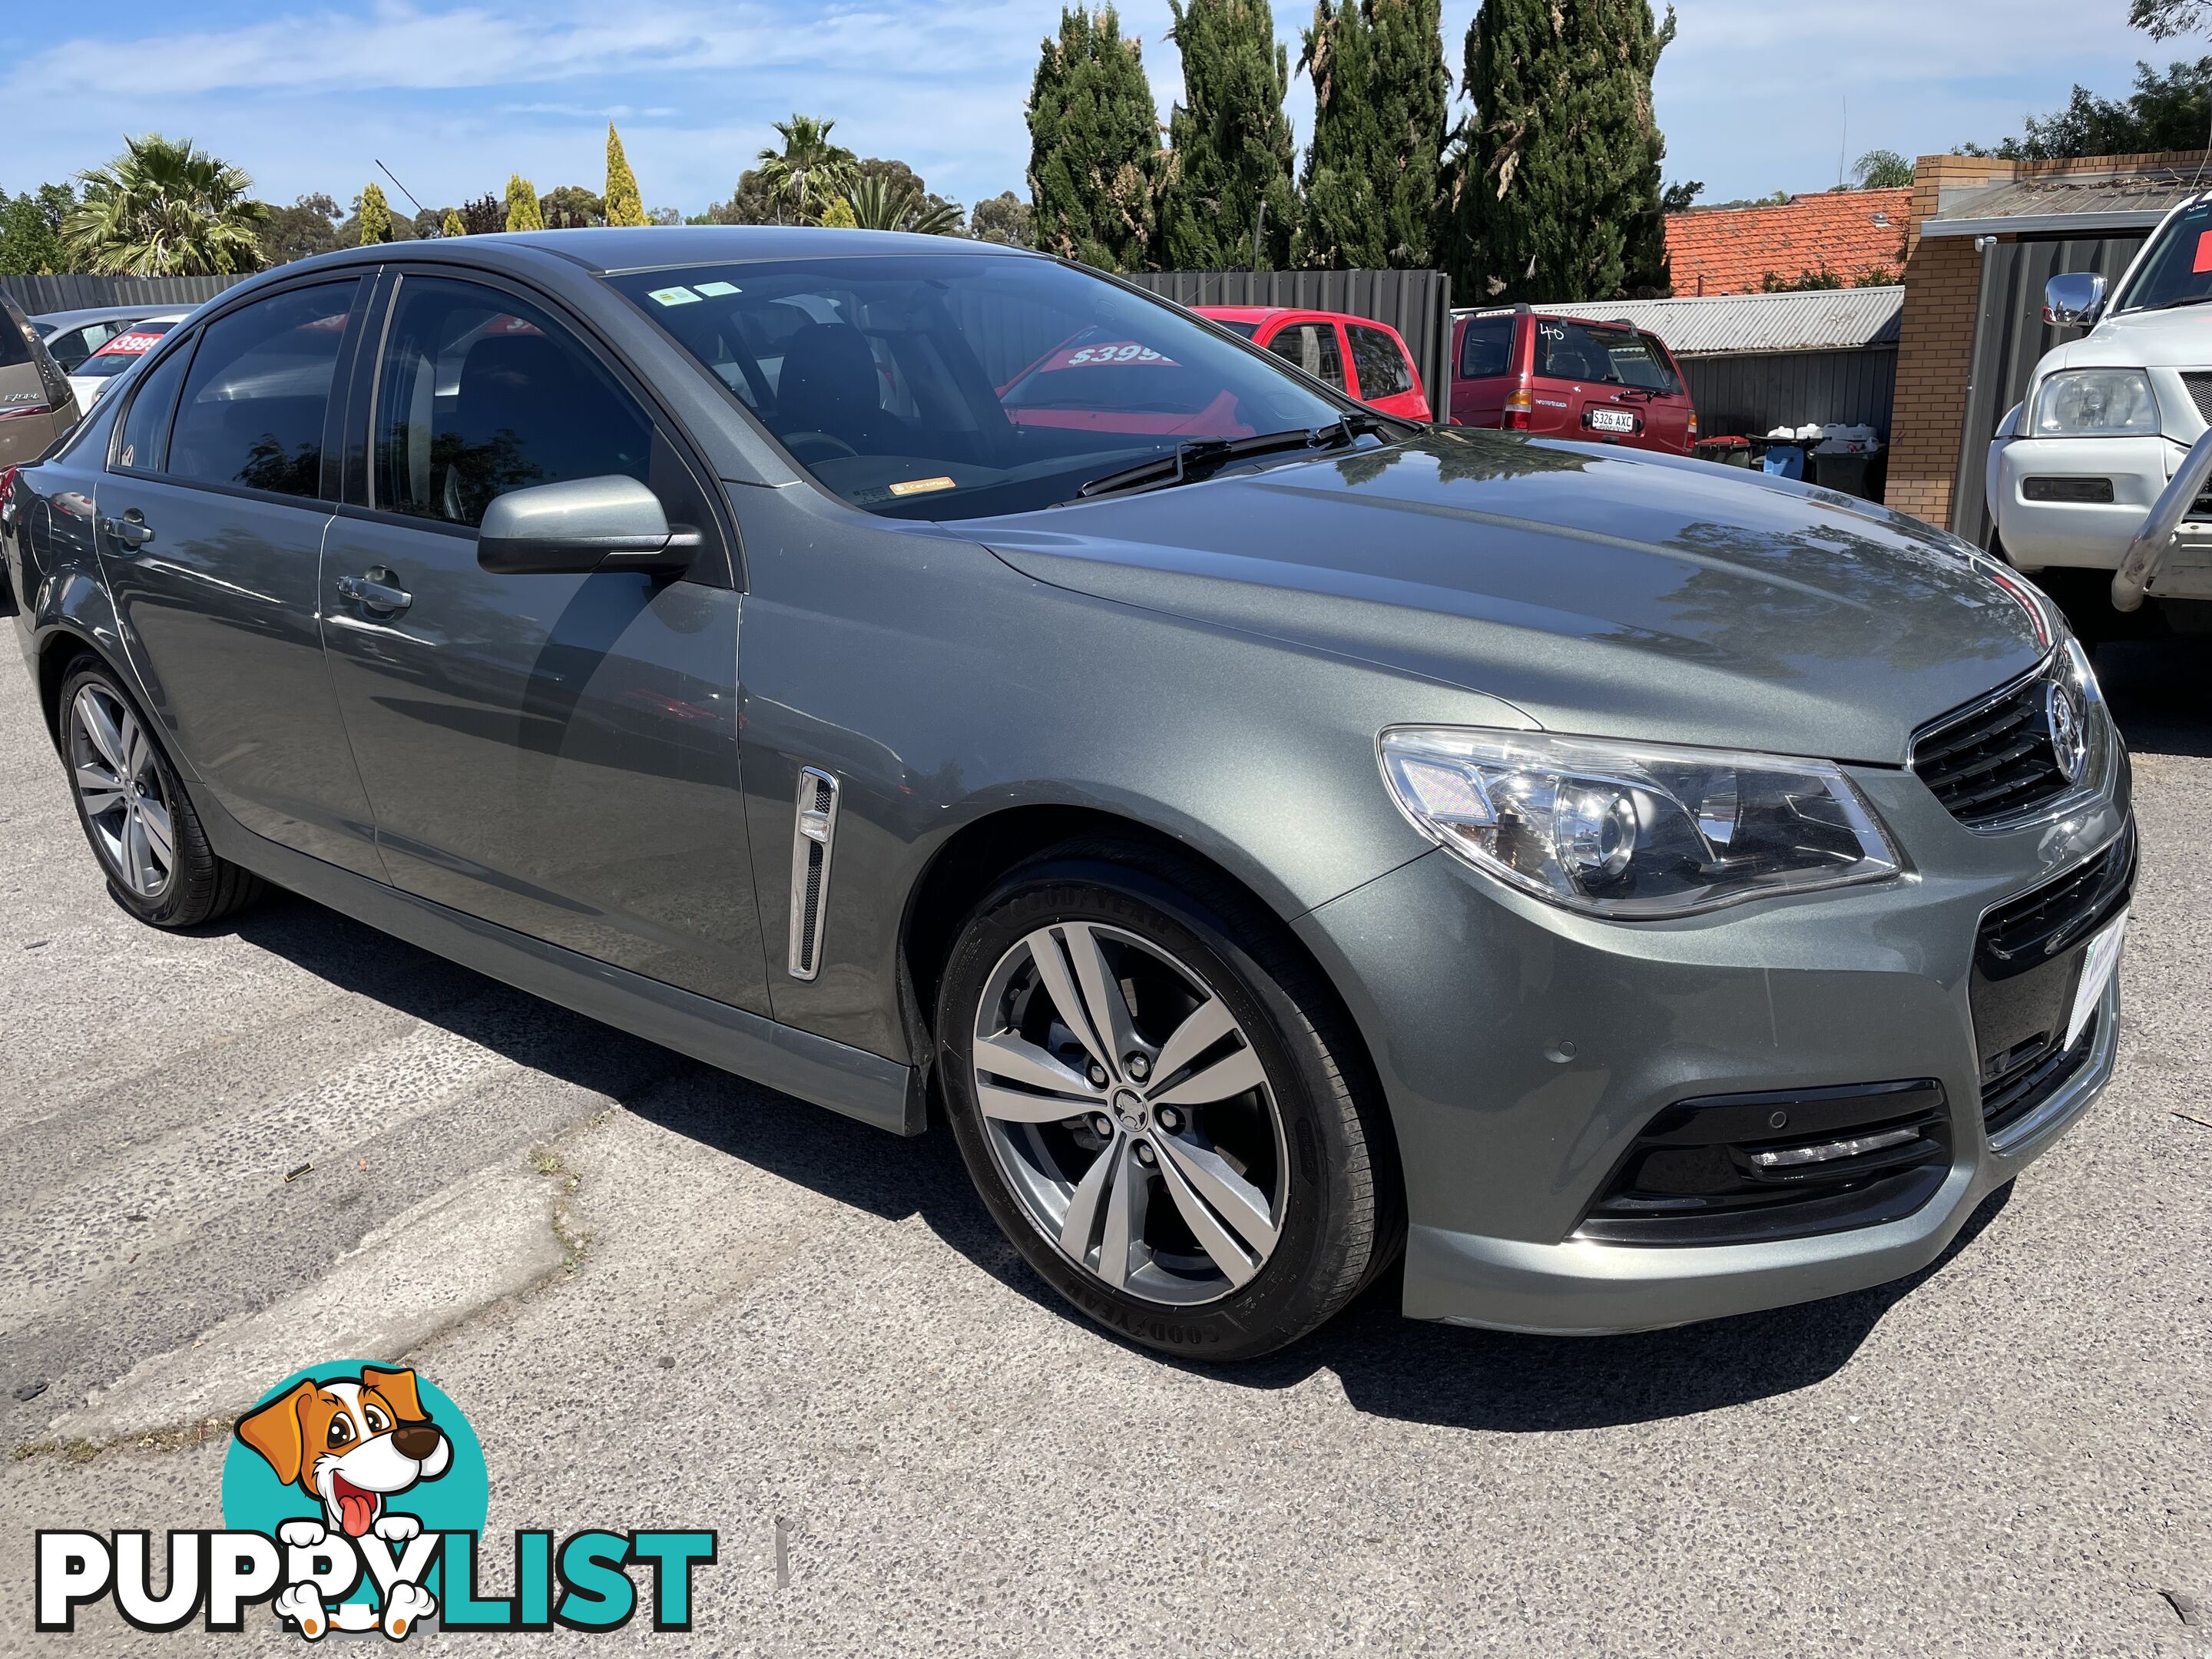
{"x":1569,"y":377}
{"x":1355,"y":354}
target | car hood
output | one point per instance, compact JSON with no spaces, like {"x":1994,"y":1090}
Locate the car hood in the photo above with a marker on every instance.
{"x":1598,"y":591}
{"x":2180,"y":338}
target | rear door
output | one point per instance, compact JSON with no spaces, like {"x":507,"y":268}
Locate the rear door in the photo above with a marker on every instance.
{"x":1385,"y":371}
{"x":1669,"y":418}
{"x":1313,"y":344}
{"x":1482,"y":361}
{"x":210,"y":521}
{"x":557,"y":754}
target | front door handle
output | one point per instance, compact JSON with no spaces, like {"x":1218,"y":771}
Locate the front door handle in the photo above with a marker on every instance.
{"x":377,"y":589}
{"x":131,"y":529}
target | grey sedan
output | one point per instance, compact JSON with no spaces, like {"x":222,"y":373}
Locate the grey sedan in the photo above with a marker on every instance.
{"x":951,"y":685}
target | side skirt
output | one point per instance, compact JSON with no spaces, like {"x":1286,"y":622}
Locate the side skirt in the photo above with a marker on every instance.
{"x":832,"y":1074}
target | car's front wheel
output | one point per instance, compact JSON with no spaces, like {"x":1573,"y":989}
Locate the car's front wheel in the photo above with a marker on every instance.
{"x":1161,"y":1105}
{"x":135,"y":811}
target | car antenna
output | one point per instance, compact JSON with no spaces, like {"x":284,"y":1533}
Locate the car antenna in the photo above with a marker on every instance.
{"x":403,"y":189}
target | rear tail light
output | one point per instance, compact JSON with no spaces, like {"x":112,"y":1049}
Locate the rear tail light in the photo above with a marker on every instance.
{"x":13,"y":409}
{"x":1520,"y":408}
{"x":1693,"y":426}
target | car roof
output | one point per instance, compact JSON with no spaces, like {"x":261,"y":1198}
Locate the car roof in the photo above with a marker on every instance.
{"x":49,"y":320}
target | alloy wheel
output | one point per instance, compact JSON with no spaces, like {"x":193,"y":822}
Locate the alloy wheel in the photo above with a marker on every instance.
{"x":1129,"y":1113}
{"x":118,"y":785}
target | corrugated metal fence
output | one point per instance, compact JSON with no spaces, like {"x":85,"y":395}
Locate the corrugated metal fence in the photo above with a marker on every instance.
{"x":42,"y":294}
{"x":1417,"y":303}
{"x":2009,"y":336}
{"x":1748,"y":394}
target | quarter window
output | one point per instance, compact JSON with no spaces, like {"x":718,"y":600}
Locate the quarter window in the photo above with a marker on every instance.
{"x":146,"y":423}
{"x":1312,"y":347}
{"x":1485,"y":347}
{"x":259,"y":391}
{"x":1383,"y":369}
{"x":479,"y":393}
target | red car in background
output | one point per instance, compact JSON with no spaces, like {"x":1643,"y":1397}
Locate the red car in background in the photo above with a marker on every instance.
{"x":1569,"y":377}
{"x":1355,"y":354}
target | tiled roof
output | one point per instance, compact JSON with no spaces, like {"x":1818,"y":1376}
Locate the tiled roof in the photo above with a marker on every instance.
{"x":1731,"y":250}
{"x":1823,"y":320}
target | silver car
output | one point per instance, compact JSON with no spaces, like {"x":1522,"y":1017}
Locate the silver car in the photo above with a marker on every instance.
{"x":953,"y":687}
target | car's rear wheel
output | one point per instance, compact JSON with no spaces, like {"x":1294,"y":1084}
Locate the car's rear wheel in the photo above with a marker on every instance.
{"x":1160,"y":1105}
{"x":135,"y":814}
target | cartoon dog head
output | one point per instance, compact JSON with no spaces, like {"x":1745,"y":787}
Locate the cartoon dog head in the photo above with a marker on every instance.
{"x":349,"y":1442}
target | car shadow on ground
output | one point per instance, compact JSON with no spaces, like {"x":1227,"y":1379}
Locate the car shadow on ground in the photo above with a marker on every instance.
{"x":2159,"y":692}
{"x":1388,"y":1365}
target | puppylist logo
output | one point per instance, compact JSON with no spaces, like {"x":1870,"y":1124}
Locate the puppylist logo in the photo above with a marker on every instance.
{"x":354,"y":1499}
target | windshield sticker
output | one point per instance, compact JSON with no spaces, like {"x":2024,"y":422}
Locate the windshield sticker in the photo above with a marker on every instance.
{"x":717,"y":289}
{"x":2204,"y":251}
{"x":921,"y":486}
{"x":673,"y":296}
{"x":128,"y":345}
{"x":1120,"y":351}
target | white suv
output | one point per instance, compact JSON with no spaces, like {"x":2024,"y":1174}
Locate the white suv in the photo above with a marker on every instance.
{"x":2108,"y":418}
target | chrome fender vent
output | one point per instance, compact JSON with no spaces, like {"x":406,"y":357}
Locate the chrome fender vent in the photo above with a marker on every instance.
{"x":813,"y":835}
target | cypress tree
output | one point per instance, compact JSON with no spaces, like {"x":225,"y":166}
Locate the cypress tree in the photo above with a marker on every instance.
{"x":375,"y":216}
{"x":1095,"y":160}
{"x":453,"y":226}
{"x":624,"y":206}
{"x":1373,"y":171}
{"x":522,"y":210}
{"x":1558,"y":193}
{"x":1230,"y":142}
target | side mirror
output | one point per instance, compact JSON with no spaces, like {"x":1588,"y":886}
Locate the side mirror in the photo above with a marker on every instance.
{"x":2074,"y":299}
{"x":580,"y":525}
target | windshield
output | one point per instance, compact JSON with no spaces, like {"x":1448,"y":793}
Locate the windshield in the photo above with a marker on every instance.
{"x":2175,"y":268}
{"x":958,"y":386}
{"x":125,"y":349}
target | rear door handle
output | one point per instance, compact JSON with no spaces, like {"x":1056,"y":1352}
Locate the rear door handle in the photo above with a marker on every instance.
{"x":131,"y":529}
{"x":376,"y":590}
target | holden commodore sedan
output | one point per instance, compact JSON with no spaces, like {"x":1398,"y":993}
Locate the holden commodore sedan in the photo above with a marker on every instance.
{"x":1277,"y":840}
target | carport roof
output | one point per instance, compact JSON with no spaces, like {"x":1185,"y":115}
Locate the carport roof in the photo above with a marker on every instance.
{"x":2079,"y":204}
{"x":1819,"y":320}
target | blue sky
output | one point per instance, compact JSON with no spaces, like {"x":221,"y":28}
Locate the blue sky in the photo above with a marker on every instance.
{"x":454,"y":94}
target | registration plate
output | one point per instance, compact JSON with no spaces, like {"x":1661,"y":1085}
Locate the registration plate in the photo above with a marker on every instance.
{"x":1611,"y":420}
{"x":2099,"y":962}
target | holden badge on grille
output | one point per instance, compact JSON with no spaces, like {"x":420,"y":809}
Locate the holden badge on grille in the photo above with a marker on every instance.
{"x":2068,"y":726}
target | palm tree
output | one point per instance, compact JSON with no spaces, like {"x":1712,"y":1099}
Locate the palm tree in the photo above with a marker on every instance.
{"x":164,"y":208}
{"x":809,"y":170}
{"x":891,"y":203}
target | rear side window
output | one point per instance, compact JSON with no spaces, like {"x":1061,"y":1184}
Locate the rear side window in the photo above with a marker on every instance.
{"x":146,"y":424}
{"x":1486,"y":349}
{"x":15,"y":342}
{"x":1597,"y":353}
{"x":1312,"y":347}
{"x":257,"y":392}
{"x":479,"y":393}
{"x":1383,"y":369}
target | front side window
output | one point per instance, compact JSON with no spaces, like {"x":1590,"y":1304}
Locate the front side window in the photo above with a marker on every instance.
{"x":1312,"y":347}
{"x":958,"y":386}
{"x":258,"y":390}
{"x":1606,"y":354}
{"x":1485,"y":347}
{"x":1383,"y":369}
{"x":479,"y":393}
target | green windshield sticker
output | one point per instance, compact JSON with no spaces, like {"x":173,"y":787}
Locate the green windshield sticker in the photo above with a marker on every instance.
{"x":674,"y":296}
{"x":717,"y":289}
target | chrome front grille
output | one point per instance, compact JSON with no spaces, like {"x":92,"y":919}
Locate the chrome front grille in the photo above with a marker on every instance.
{"x":1994,"y":758}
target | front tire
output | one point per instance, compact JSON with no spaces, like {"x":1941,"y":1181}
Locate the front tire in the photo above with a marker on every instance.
{"x":1161,"y":1104}
{"x":135,"y":812}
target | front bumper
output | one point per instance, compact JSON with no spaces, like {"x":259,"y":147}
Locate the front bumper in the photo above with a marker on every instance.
{"x":1523,"y":1049}
{"x":2078,"y":535}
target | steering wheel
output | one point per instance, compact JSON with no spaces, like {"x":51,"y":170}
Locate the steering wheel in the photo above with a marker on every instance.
{"x":832,"y":447}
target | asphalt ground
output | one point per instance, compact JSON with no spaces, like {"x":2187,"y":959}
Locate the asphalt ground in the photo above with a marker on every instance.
{"x":667,"y":1296}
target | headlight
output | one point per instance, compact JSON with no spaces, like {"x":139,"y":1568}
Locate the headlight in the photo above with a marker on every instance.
{"x":1633,"y":832}
{"x":2095,"y":403}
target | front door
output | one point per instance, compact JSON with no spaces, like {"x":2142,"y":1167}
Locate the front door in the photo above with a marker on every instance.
{"x":210,"y":527}
{"x":557,"y":754}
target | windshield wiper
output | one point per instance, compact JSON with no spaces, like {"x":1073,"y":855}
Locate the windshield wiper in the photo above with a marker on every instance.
{"x":2187,"y":300}
{"x":1201,"y":457}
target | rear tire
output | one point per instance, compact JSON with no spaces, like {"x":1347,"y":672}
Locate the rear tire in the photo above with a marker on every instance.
{"x":1247,"y":1215}
{"x":135,"y":813}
